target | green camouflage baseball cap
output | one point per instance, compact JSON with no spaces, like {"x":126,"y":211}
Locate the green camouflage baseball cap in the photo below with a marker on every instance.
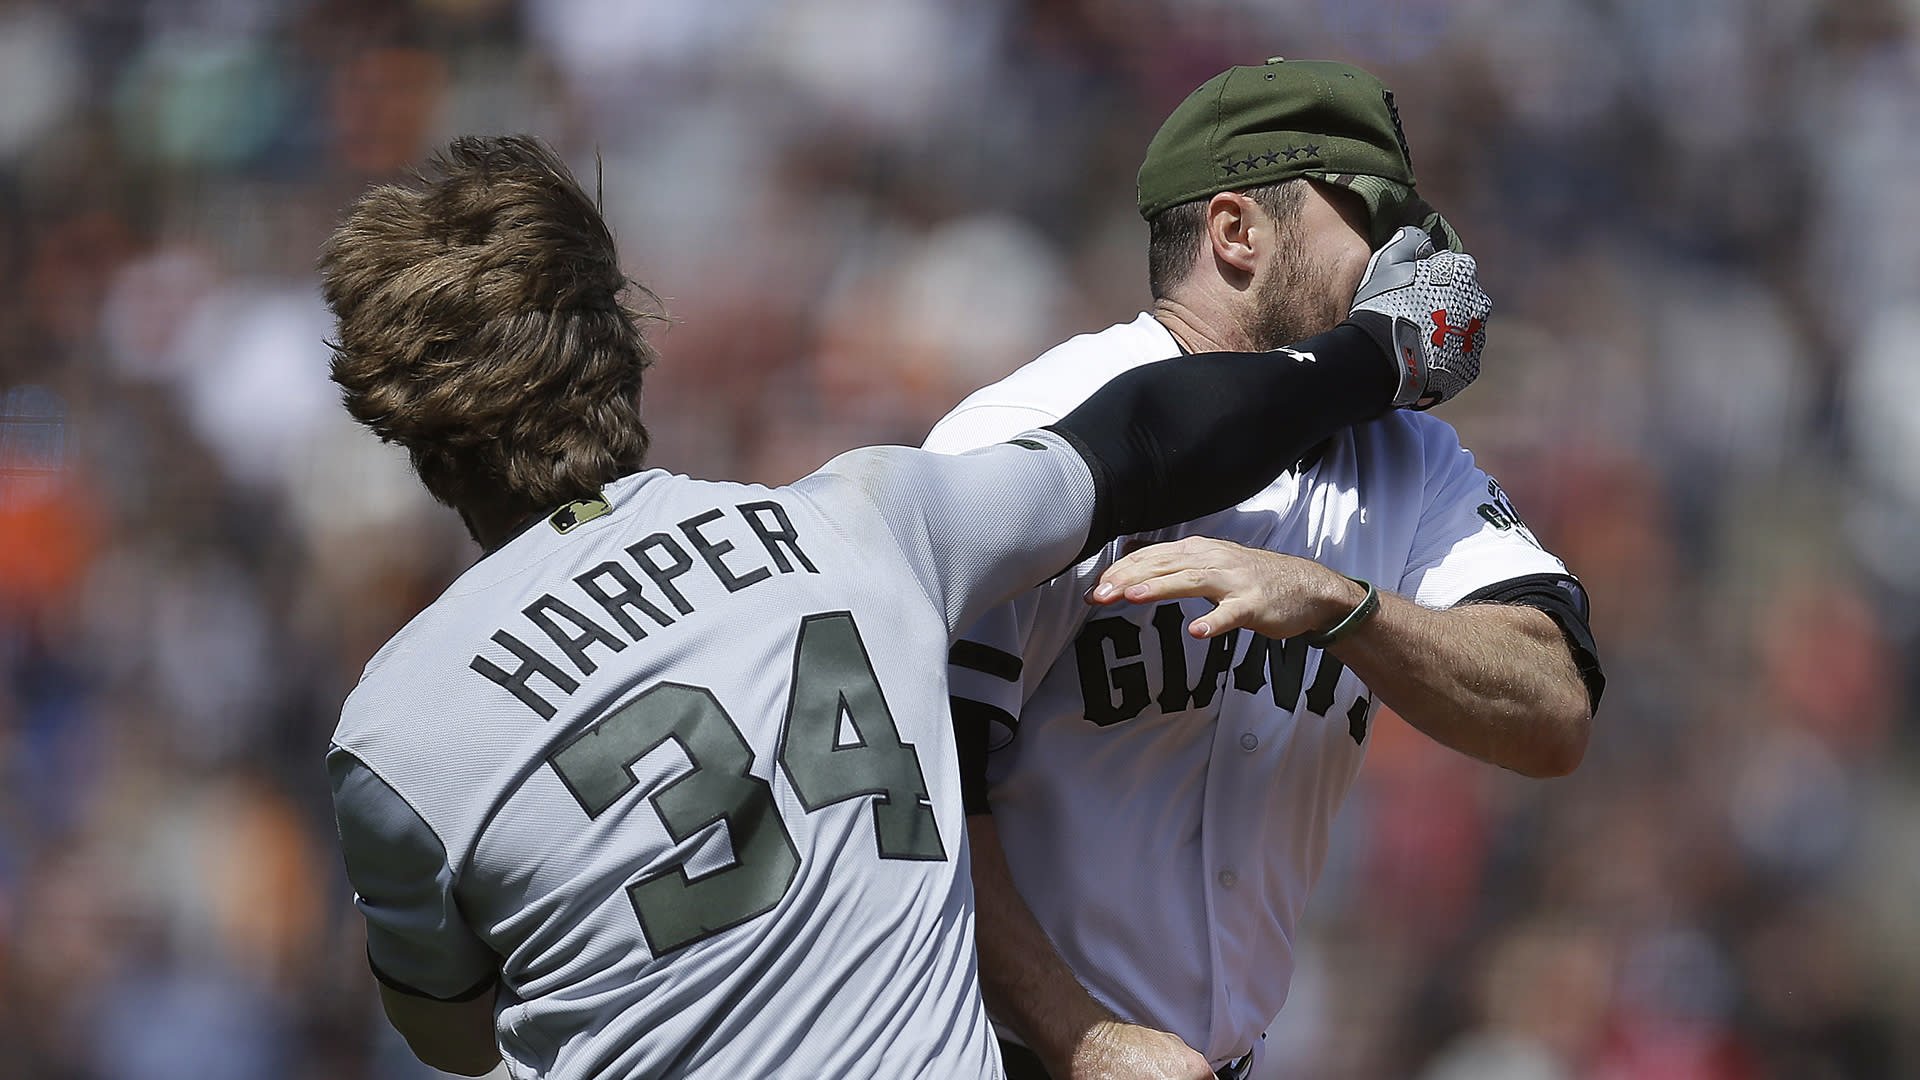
{"x":1255,"y":125}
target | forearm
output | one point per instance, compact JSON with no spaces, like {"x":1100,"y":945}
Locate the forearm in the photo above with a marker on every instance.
{"x":1497,"y":681}
{"x":1494,"y":681}
{"x":1027,"y":986}
{"x":1171,"y":441}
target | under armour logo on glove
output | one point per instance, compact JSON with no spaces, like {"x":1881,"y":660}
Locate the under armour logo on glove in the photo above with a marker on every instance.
{"x":1466,"y":333}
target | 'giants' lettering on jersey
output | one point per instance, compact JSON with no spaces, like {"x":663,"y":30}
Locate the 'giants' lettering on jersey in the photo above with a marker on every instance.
{"x":618,"y":593}
{"x":1116,"y":684}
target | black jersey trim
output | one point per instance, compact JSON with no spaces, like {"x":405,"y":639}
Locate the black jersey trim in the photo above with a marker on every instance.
{"x":391,"y":983}
{"x":986,"y":660}
{"x":1564,"y":600}
{"x":973,"y":723}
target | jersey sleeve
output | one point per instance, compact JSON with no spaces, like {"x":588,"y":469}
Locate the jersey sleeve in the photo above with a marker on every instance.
{"x":977,"y":528}
{"x":417,"y":940}
{"x":1469,"y":535}
{"x":973,"y":426}
{"x":1472,"y":546}
{"x":998,"y":663}
{"x":984,"y":676}
{"x":986,"y":672}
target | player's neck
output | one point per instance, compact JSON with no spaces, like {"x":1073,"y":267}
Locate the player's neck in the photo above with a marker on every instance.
{"x":492,"y":532}
{"x":1196,"y":330}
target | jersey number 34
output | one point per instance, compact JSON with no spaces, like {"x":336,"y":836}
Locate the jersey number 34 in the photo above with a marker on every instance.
{"x":832,"y":676}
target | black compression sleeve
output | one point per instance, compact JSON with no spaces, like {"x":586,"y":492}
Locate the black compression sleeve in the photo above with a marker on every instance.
{"x":1171,"y":441}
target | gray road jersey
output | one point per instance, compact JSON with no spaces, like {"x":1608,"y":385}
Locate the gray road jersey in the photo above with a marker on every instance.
{"x":684,"y":774}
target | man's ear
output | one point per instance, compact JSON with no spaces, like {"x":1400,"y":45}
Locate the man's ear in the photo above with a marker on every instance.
{"x":1232,"y":220}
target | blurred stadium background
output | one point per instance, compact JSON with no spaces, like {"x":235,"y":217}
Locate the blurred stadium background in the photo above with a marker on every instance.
{"x":1699,"y":222}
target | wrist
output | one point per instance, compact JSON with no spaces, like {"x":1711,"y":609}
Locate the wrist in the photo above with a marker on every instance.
{"x":1079,"y":1033}
{"x":1377,"y":325}
{"x":1361,"y":348}
{"x":1095,"y":1051}
{"x":1398,"y":343}
{"x":1354,"y":602}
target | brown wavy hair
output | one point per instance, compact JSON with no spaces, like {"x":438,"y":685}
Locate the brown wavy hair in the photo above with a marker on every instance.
{"x":483,"y":326}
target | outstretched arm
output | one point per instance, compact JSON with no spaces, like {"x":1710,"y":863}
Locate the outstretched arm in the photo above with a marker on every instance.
{"x":1175,"y":440}
{"x":1497,"y":681}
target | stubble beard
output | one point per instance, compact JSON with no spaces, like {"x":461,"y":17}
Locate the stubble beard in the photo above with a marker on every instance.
{"x":1295,"y":301}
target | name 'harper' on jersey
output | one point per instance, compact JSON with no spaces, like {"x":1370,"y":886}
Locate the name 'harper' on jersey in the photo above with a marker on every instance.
{"x":614,"y":588}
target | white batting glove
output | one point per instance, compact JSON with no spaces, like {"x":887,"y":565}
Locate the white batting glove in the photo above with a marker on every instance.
{"x":1437,"y":313}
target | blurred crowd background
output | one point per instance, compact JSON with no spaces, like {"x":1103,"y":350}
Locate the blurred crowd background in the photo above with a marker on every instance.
{"x":1700,"y":220}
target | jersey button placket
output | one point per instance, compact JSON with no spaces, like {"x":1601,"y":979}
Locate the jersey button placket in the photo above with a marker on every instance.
{"x":1227,"y":878}
{"x":1249,"y":742}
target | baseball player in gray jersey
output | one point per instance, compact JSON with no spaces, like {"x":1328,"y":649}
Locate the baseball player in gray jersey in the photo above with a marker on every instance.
{"x":1213,"y":745}
{"x":665,"y":784}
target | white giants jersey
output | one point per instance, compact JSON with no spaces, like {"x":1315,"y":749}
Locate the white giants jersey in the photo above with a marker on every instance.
{"x":1165,"y":802}
{"x":675,"y":767}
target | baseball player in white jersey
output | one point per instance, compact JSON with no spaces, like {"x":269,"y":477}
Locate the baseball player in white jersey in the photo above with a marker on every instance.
{"x":1151,"y":783}
{"x":665,"y":784}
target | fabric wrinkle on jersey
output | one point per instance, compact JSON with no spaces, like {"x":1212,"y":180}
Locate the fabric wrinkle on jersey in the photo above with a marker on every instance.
{"x":1227,"y":796}
{"x":863,"y":965}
